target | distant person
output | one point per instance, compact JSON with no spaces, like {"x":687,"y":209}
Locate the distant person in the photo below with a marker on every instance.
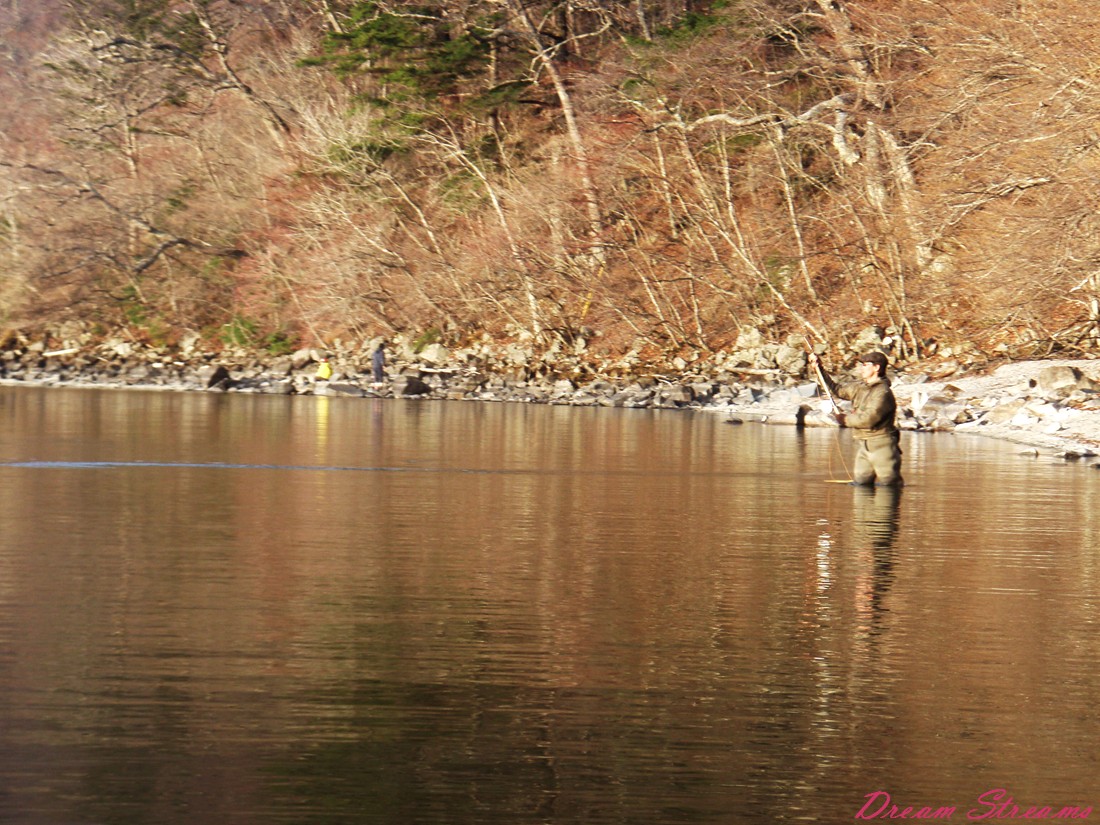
{"x":378,"y":363}
{"x":872,"y":419}
{"x":324,"y":370}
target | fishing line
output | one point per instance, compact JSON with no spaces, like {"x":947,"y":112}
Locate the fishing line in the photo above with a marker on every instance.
{"x":809,"y":328}
{"x":836,"y":435}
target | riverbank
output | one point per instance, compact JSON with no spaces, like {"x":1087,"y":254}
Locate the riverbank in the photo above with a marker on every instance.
{"x":1048,"y":407}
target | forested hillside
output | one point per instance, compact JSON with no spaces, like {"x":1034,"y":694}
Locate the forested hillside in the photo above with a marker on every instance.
{"x":647,"y":174}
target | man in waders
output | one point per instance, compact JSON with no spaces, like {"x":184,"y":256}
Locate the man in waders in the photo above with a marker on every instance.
{"x":871,"y":419}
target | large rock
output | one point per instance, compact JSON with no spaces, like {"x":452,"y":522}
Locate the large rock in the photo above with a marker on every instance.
{"x":747,"y":350}
{"x":410,"y":385}
{"x":280,"y":367}
{"x":563,"y":387}
{"x":1060,"y":381}
{"x":748,"y":339}
{"x":704,"y":392}
{"x":341,"y":389}
{"x":1005,"y":411}
{"x":675,"y":395}
{"x":214,"y":377}
{"x":869,"y":338}
{"x":792,"y":360}
{"x":435,"y":354}
{"x":516,"y":354}
{"x":301,"y":359}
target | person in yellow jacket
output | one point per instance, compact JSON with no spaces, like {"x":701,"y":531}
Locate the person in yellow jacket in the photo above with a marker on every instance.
{"x":872,"y":419}
{"x":324,"y":370}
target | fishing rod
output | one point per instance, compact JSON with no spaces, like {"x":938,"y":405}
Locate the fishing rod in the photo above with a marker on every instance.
{"x":816,"y":360}
{"x":809,"y":328}
{"x":824,"y":383}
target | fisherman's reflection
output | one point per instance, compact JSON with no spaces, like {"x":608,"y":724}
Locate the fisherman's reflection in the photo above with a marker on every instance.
{"x":876,"y":521}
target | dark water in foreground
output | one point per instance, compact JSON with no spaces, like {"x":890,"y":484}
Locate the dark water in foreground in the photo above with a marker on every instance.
{"x":243,"y":609}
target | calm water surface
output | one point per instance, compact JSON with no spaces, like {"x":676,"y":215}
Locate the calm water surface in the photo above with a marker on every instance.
{"x":244,"y":609}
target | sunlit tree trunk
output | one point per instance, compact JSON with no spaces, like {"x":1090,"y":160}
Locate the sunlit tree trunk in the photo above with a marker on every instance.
{"x":545,"y":58}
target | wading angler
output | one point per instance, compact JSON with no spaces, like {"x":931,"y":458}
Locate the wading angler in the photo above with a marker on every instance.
{"x":872,"y":419}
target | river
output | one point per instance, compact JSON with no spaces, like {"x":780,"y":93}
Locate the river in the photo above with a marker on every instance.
{"x":227,"y":608}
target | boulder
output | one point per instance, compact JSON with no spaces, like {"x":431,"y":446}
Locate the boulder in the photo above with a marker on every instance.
{"x":633,"y":396}
{"x":214,"y":377}
{"x":435,"y":354}
{"x":281,"y":367}
{"x":784,"y":397}
{"x":516,"y":354}
{"x":140,"y":373}
{"x":345,"y":390}
{"x":1060,"y":381}
{"x":869,"y":338}
{"x":1005,"y":411}
{"x":944,"y":369}
{"x":675,"y":395}
{"x":792,"y":360}
{"x":1054,"y":381}
{"x":704,"y":392}
{"x":410,"y":385}
{"x":300,"y":359}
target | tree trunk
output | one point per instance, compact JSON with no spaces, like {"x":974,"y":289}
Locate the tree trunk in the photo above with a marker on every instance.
{"x":576,"y":139}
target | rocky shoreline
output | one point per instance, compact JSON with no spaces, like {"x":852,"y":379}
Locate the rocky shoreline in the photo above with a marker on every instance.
{"x":1049,"y":407}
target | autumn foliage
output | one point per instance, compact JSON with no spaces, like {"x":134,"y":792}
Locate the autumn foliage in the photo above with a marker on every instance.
{"x":644,"y":174}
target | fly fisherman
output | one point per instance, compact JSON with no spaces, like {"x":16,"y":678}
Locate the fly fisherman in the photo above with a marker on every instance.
{"x":871,"y":420}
